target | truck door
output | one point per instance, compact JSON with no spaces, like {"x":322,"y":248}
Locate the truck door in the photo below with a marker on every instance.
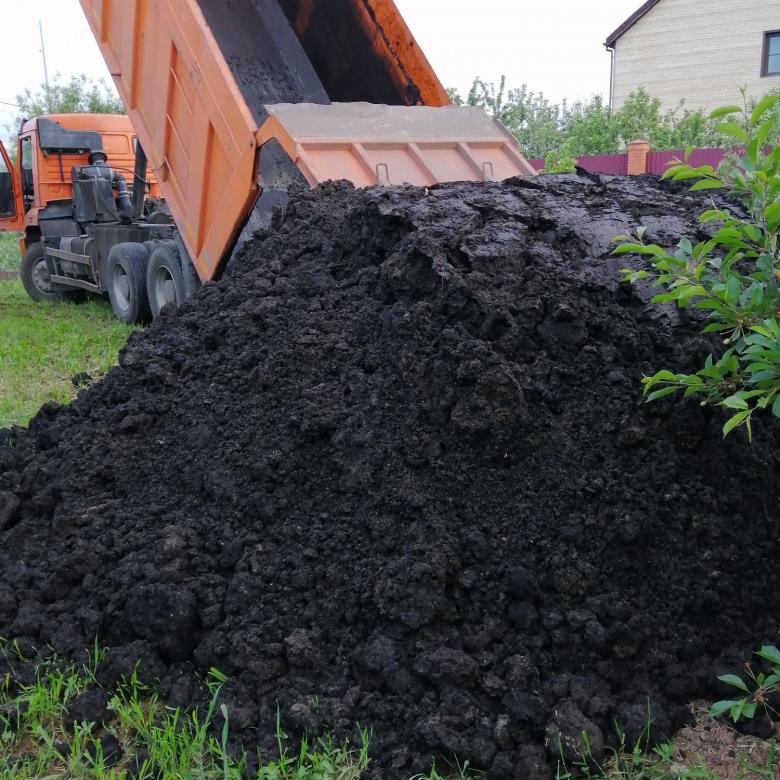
{"x":11,"y":210}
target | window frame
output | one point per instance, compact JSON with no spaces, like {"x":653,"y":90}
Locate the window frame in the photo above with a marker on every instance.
{"x":765,"y":54}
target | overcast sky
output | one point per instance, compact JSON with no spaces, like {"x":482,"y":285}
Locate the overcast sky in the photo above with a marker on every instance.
{"x":554,"y":46}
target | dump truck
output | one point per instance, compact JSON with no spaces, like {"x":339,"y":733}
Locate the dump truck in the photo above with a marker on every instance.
{"x":229,"y":105}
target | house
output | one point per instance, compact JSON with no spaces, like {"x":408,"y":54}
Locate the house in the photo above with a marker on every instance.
{"x":700,"y":51}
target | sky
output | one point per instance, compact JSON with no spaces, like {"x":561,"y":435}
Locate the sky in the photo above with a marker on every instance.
{"x":554,"y":46}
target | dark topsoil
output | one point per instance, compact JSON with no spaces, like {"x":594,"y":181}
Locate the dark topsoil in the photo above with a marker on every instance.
{"x":394,"y":469}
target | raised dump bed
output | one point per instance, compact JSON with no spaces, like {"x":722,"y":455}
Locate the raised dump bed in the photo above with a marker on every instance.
{"x":208,"y":87}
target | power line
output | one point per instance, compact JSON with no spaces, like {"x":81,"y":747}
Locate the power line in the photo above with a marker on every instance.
{"x":7,"y":103}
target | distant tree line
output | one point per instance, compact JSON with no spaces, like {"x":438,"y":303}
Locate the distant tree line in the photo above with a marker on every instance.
{"x":543,"y":128}
{"x":587,"y":127}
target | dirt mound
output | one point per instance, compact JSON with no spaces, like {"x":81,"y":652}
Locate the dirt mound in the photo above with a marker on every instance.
{"x":394,"y":469}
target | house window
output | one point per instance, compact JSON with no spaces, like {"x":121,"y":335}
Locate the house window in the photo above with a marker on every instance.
{"x":771,"y":63}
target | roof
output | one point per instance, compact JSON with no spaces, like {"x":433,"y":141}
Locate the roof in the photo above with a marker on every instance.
{"x":111,"y":123}
{"x":630,"y":22}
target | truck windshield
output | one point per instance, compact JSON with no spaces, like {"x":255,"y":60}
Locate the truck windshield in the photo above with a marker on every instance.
{"x":6,"y":190}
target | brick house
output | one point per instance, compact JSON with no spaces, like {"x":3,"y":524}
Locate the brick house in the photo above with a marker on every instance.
{"x":700,"y":51}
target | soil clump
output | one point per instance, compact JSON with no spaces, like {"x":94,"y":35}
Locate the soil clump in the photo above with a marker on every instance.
{"x":394,"y":469}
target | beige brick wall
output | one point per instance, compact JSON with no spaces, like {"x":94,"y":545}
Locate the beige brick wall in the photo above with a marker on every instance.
{"x":702,"y":51}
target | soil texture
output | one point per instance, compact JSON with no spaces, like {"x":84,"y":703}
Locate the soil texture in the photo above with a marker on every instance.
{"x":395,"y":469}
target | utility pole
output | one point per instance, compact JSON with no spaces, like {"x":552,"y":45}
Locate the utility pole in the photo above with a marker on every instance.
{"x":45,"y":68}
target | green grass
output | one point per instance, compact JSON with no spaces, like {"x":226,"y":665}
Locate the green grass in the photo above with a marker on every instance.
{"x":168,"y":742}
{"x":9,"y":252}
{"x":176,"y":744}
{"x":42,"y":346}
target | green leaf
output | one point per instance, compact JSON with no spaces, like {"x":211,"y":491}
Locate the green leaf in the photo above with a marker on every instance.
{"x":762,"y":107}
{"x":626,"y":248}
{"x":720,"y":707}
{"x":711,"y":215}
{"x":724,"y":111}
{"x":655,"y":395}
{"x":733,"y":402}
{"x":749,"y":709}
{"x":733,"y":130}
{"x":665,"y":376}
{"x":716,"y":328}
{"x":772,"y":212}
{"x":736,"y":710}
{"x":770,"y":653}
{"x":673,"y":169}
{"x":707,"y":184}
{"x":776,"y":407}
{"x":732,"y":423}
{"x":764,"y":132}
{"x":732,"y":679}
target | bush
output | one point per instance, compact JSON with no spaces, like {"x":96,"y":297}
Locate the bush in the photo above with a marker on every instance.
{"x":733,"y":276}
{"x":590,"y":127}
{"x":560,"y":161}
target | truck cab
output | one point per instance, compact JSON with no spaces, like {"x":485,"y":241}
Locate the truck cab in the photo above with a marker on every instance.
{"x":74,"y":192}
{"x":36,"y":193}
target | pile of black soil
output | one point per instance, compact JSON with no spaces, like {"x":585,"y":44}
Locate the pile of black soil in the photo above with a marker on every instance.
{"x":394,"y":469}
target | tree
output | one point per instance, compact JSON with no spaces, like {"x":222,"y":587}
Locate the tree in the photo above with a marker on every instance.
{"x":529,"y":116}
{"x":590,"y":126}
{"x":79,"y":95}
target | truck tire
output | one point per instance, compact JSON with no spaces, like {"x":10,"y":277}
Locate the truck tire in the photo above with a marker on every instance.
{"x":164,"y":278}
{"x":35,"y":275}
{"x":126,"y":282}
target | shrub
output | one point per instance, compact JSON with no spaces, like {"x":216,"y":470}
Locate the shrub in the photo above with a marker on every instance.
{"x":732,"y":276}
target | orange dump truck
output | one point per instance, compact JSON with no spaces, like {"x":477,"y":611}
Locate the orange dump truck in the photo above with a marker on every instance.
{"x":228,"y":104}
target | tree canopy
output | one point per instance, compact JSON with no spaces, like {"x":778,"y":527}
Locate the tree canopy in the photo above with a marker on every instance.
{"x":77,"y":95}
{"x":587,"y":127}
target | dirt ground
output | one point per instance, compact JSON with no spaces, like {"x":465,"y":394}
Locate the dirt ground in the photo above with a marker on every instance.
{"x":394,"y":469}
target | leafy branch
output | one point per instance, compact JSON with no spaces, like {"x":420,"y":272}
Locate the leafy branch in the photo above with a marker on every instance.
{"x":733,"y":275}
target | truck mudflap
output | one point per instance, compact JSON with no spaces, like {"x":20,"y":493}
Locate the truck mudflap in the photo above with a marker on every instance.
{"x":389,"y":145}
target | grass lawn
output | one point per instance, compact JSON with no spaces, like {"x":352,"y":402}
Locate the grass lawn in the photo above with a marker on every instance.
{"x":42,"y":346}
{"x":9,"y":252}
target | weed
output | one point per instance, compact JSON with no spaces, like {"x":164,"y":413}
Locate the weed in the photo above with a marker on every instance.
{"x":168,"y":742}
{"x":460,"y":772}
{"x":763,"y":687}
{"x":641,"y":761}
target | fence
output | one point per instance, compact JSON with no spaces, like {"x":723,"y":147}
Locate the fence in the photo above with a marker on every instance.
{"x":638,"y":159}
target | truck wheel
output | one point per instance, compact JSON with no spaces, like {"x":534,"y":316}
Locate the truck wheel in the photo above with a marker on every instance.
{"x":35,"y":275}
{"x":164,"y":278}
{"x":126,"y":282}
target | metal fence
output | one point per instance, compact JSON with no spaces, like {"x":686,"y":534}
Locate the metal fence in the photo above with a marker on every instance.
{"x":616,"y":164}
{"x":657,"y":162}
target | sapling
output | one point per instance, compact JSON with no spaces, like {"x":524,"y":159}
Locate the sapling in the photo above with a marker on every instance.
{"x":732,"y":276}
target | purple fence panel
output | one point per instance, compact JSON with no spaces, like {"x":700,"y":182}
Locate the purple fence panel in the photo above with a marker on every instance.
{"x":615,"y":164}
{"x":658,"y":162}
